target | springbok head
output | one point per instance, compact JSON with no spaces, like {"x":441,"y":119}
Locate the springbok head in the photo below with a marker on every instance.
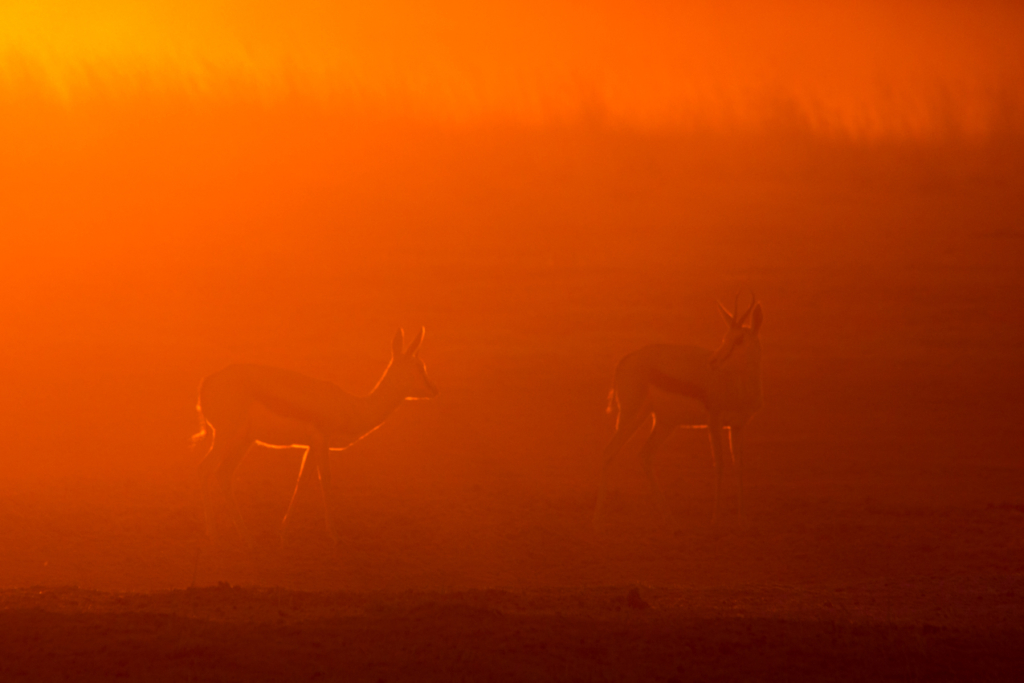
{"x":407,"y":372}
{"x":741,"y":343}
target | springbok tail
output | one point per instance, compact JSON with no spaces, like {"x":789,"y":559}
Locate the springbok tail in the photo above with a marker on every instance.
{"x":613,"y":406}
{"x":203,"y":439}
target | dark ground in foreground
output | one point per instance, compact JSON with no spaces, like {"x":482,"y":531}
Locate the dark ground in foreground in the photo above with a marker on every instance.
{"x":884,"y":478}
{"x":228,"y":633}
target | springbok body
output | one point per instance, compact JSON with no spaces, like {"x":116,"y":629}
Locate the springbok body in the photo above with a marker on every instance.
{"x":675,"y":384}
{"x":246,"y":404}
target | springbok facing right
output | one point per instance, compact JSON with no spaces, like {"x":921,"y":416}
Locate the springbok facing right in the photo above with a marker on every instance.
{"x":244,"y":405}
{"x":667,"y":381}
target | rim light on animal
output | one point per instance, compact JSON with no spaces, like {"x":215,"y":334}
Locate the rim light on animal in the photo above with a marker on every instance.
{"x":670,"y":384}
{"x":244,"y":405}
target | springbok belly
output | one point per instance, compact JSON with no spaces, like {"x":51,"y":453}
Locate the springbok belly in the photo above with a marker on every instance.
{"x":273,"y":429}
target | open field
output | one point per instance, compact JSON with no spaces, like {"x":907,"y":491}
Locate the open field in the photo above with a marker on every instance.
{"x":225,"y":633}
{"x":885,"y":538}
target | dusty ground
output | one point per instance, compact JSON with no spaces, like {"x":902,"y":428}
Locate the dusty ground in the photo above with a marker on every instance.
{"x":885,"y":536}
{"x":226,"y":633}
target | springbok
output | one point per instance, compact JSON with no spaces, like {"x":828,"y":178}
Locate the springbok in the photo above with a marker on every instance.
{"x":244,"y":405}
{"x":669,"y":381}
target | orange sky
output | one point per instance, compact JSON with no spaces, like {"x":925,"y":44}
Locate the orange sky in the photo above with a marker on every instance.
{"x":864,"y":70}
{"x":163,"y":122}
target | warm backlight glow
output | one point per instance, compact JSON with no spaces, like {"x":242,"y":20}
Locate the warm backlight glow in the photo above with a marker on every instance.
{"x":263,"y":192}
{"x":864,"y":70}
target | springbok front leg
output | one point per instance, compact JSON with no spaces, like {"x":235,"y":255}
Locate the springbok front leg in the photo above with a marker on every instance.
{"x":323,"y":469}
{"x":736,"y":443}
{"x":718,"y":452}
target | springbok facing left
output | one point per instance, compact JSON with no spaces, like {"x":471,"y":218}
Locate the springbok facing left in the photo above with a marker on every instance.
{"x":244,"y":405}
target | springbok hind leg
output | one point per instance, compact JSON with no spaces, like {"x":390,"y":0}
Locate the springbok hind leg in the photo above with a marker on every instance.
{"x":229,"y":463}
{"x":207,"y":468}
{"x":305,"y":467}
{"x":622,"y":434}
{"x":658,"y":435}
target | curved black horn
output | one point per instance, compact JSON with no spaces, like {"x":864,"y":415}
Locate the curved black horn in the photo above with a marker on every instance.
{"x":725,"y":312}
{"x":753,"y":303}
{"x":416,"y":342}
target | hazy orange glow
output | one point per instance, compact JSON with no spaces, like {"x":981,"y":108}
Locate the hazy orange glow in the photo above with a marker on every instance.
{"x":546,"y":187}
{"x":865,"y":70}
{"x":126,"y":121}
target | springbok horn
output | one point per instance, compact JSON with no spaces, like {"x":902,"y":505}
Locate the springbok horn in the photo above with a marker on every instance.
{"x":725,"y":311}
{"x":752,"y":304}
{"x":736,"y":312}
{"x":416,"y":342}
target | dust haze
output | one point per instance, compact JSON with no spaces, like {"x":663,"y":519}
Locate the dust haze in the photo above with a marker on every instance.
{"x":155,"y":231}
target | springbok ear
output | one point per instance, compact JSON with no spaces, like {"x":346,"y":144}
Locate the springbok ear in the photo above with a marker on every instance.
{"x":756,"y":319}
{"x":397,"y":343}
{"x":416,"y":342}
{"x":725,"y":314}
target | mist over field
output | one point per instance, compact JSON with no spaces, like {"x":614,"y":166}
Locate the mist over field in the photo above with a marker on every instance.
{"x":545,"y":188}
